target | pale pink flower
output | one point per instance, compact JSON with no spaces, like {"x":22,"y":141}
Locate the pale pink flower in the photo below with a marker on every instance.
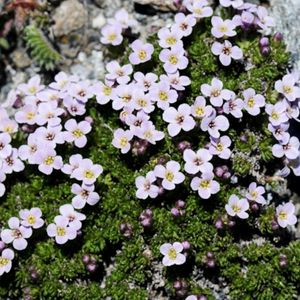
{"x":264,"y":20}
{"x":286,"y":214}
{"x":170,"y":38}
{"x":176,"y":81}
{"x":145,"y":81}
{"x":163,"y":95}
{"x":290,"y":150}
{"x":74,"y":217}
{"x":141,"y":52}
{"x":172,"y":254}
{"x":111,"y":34}
{"x":277,"y":113}
{"x":74,"y":163}
{"x":255,"y":193}
{"x":12,"y":163}
{"x":205,"y":185}
{"x":148,"y":132}
{"x":61,"y":231}
{"x":17,"y":234}
{"x":184,"y":24}
{"x":49,"y":112}
{"x":200,"y":9}
{"x":6,"y":258}
{"x":103,"y":92}
{"x":32,"y":87}
{"x":142,"y":101}
{"x":122,"y":140}
{"x":226,"y":52}
{"x":233,"y":3}
{"x":213,"y":124}
{"x":31,"y":218}
{"x":76,"y":132}
{"x":287,"y":87}
{"x":216,"y":92}
{"x":179,"y":119}
{"x":84,"y":194}
{"x":253,"y":101}
{"x":48,"y":160}
{"x":5,"y":146}
{"x":220,"y":146}
{"x":170,"y":174}
{"x":118,"y":73}
{"x":222,"y":28}
{"x":199,"y":109}
{"x":27,"y":114}
{"x":145,"y":186}
{"x":237,"y":207}
{"x":197,"y":161}
{"x":234,"y":106}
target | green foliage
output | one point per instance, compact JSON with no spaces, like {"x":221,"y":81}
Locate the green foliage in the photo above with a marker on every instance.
{"x":41,"y":49}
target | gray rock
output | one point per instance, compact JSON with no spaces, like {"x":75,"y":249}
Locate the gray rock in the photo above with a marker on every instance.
{"x":164,"y":5}
{"x":286,"y":14}
{"x":71,"y":15}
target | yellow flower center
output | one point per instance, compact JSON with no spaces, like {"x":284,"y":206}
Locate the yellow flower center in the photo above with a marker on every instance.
{"x":3,"y":261}
{"x":251,"y":102}
{"x":61,"y":231}
{"x":198,"y":11}
{"x":163,"y":96}
{"x":172,"y":254}
{"x":49,"y":160}
{"x":219,"y":147}
{"x":173,"y":59}
{"x":199,"y":111}
{"x":89,"y":174}
{"x":282,"y":215}
{"x":205,"y":184}
{"x":112,"y":37}
{"x":123,"y":141}
{"x":223,"y":28}
{"x":236,"y":208}
{"x":171,"y":40}
{"x":31,"y":219}
{"x":142,"y":54}
{"x":107,"y":90}
{"x":30,"y":115}
{"x":287,"y":89}
{"x":142,"y":102}
{"x":32,"y":89}
{"x":215,"y":93}
{"x":8,"y":129}
{"x":77,"y":133}
{"x":275,"y":115}
{"x":254,"y":194}
{"x":148,"y":134}
{"x":169,"y":176}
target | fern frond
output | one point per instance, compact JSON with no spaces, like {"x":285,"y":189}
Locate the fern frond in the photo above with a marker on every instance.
{"x":41,"y":49}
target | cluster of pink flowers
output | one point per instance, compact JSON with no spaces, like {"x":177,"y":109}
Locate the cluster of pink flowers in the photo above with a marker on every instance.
{"x":112,"y":32}
{"x":20,"y":229}
{"x":168,"y":176}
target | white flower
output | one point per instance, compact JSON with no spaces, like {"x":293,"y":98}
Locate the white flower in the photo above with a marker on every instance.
{"x":172,"y":254}
{"x":286,"y":214}
{"x":6,"y":257}
{"x":170,"y":174}
{"x":121,"y":139}
{"x":145,"y":186}
{"x":237,"y":207}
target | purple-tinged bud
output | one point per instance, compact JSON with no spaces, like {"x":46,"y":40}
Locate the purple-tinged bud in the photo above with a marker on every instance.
{"x":226,"y":175}
{"x":148,"y":212}
{"x":219,"y":172}
{"x":18,"y":102}
{"x":34,"y":275}
{"x":264,"y":42}
{"x":231,"y":223}
{"x":283,"y":262}
{"x":265,"y":50}
{"x":211,"y":263}
{"x":210,"y":255}
{"x":85,"y":259}
{"x":89,"y":119}
{"x":180,"y":204}
{"x":175,"y":212}
{"x":181,"y":293}
{"x":139,"y":147}
{"x":177,"y":284}
{"x":220,"y":110}
{"x":126,"y":229}
{"x":182,"y":146}
{"x":254,"y":207}
{"x":27,"y":128}
{"x":91,"y":267}
{"x":225,"y":168}
{"x":278,"y":37}
{"x":274,"y":225}
{"x":186,"y":245}
{"x":243,"y":138}
{"x":79,"y":233}
{"x":146,"y":222}
{"x":219,"y":224}
{"x":162,"y":160}
{"x":2,"y":245}
{"x":161,"y":190}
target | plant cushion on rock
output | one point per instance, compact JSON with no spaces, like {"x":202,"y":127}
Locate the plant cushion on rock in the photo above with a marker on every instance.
{"x":171,"y":178}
